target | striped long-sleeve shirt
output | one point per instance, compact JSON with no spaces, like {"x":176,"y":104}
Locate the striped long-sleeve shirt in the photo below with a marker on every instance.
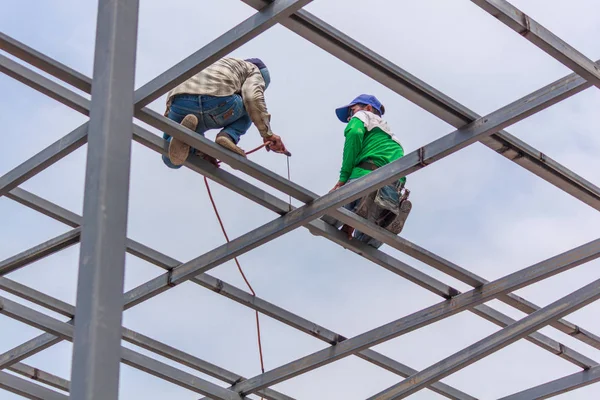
{"x":230,"y":76}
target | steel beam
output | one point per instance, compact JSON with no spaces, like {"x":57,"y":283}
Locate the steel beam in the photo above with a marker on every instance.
{"x":28,"y":389}
{"x":155,"y":143}
{"x":268,"y":16}
{"x":558,"y":386}
{"x":317,"y":227}
{"x":415,"y":90}
{"x":544,"y":167}
{"x":209,"y":282}
{"x":542,"y":38}
{"x":45,"y":207}
{"x":40,"y":251}
{"x":40,"y":376}
{"x":177,"y":376}
{"x":51,"y":66}
{"x":463,"y":275}
{"x":437,"y":312}
{"x":536,"y":338}
{"x":96,"y":348}
{"x":65,"y":331}
{"x":27,"y":349}
{"x":432,"y":100}
{"x":236,"y":161}
{"x":232,"y":159}
{"x":37,"y":297}
{"x":404,"y":166}
{"x":259,"y":172}
{"x":194,"y":362}
{"x":44,"y":85}
{"x":44,"y":159}
{"x":546,"y":343}
{"x":266,"y":308}
{"x":273,"y":179}
{"x":128,"y":335}
{"x":317,"y":331}
{"x":496,"y":341}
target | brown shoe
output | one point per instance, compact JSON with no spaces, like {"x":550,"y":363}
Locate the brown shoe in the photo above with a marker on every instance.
{"x":178,"y":150}
{"x":225,"y":140}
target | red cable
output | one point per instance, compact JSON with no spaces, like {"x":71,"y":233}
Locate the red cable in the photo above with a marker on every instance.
{"x":262,"y":364}
{"x":256,"y":149}
{"x":210,"y":196}
{"x":247,"y":153}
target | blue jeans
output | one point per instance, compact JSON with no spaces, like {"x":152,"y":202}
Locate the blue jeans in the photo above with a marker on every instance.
{"x":226,"y":113}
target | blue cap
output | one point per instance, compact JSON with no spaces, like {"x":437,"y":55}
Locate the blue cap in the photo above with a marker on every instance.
{"x":264,"y":71}
{"x":366,"y":99}
{"x":256,"y":61}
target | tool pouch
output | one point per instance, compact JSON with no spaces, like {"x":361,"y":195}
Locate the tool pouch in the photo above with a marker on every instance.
{"x":388,"y":207}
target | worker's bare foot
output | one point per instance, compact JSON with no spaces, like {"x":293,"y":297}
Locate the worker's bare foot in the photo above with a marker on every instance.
{"x":225,"y":140}
{"x":178,"y":150}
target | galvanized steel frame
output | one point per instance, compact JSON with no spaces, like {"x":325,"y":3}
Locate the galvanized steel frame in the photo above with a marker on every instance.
{"x":112,"y":106}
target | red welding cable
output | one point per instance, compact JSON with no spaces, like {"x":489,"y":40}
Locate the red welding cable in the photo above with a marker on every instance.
{"x":251,"y":151}
{"x":256,"y":149}
{"x":262,"y":364}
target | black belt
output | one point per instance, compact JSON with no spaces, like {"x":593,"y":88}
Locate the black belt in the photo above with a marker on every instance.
{"x":372,"y":167}
{"x":367,"y":165}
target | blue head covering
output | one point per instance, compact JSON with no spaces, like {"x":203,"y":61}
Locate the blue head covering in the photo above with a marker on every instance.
{"x":264,"y":71}
{"x":366,"y":99}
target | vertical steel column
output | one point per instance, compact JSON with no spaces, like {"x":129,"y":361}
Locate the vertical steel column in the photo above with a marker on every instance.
{"x":97,"y":349}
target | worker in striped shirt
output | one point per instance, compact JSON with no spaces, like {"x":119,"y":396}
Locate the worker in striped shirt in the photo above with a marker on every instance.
{"x":369,"y":144}
{"x":228,"y":95}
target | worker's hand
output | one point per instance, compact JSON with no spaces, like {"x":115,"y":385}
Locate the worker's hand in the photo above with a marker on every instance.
{"x":274,"y":143}
{"x":337,"y":186}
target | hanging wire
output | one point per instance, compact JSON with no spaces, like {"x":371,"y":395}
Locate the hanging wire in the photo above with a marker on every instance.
{"x":214,"y":205}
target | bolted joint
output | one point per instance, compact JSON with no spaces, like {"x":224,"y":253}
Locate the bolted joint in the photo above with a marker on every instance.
{"x":503,"y":149}
{"x":238,"y":380}
{"x":452,"y":292}
{"x":340,"y":338}
{"x":170,"y":282}
{"x":576,"y":332}
{"x":218,"y":287}
{"x":421,"y":153}
{"x":527,"y":23}
{"x":561,"y":349}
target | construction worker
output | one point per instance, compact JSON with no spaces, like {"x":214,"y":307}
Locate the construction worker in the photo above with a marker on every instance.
{"x":369,"y":144}
{"x":228,"y":95}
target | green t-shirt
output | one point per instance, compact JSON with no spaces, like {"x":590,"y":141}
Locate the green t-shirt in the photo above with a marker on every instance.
{"x":374,"y":145}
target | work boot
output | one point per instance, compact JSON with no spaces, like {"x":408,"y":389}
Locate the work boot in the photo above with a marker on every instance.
{"x":178,"y":150}
{"x":225,"y":140}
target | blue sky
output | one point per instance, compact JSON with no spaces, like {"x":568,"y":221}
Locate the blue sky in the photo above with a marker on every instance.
{"x":475,"y":208}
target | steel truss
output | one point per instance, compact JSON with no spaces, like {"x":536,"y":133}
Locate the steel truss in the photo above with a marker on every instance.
{"x":100,"y":299}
